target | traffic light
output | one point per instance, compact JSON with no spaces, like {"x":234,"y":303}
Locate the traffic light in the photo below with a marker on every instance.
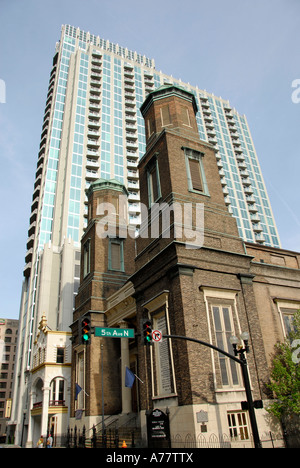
{"x":147,"y":332}
{"x":85,"y":330}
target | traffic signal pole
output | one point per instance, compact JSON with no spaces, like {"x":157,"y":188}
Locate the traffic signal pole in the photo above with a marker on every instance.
{"x":243,"y":363}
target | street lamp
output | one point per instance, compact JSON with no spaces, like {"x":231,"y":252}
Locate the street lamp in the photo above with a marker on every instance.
{"x":241,"y":350}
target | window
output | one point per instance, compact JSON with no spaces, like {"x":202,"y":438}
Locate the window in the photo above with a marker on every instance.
{"x":163,"y":358}
{"x":287,"y":310}
{"x":238,"y":427}
{"x":57,"y":392}
{"x":185,"y":116}
{"x":60,"y":355}
{"x":195,"y":171}
{"x":86,"y":258}
{"x":288,"y":320}
{"x":165,"y":116}
{"x":154,"y":192}
{"x":223,"y":331}
{"x":195,"y":175}
{"x":150,"y":127}
{"x":116,"y":255}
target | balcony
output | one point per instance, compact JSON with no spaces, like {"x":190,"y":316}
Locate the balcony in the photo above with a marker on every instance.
{"x":132,"y":175}
{"x":31,"y":229}
{"x":96,"y":53}
{"x":91,"y":153}
{"x":30,"y":242}
{"x":131,"y":135}
{"x":94,"y":125}
{"x":255,"y":218}
{"x":28,"y":256}
{"x":92,"y":164}
{"x":93,"y":133}
{"x":131,"y":144}
{"x":96,"y":60}
{"x":253,"y":208}
{"x":257,"y":227}
{"x":132,"y":163}
{"x":248,"y":190}
{"x":133,"y":185}
{"x":91,"y":175}
{"x":259,"y":238}
{"x":95,"y":89}
{"x":94,"y":115}
{"x":33,"y":216}
{"x":133,"y":196}
{"x":95,"y":84}
{"x":246,"y":181}
{"x":129,"y":103}
{"x":27,"y":269}
{"x":94,"y":106}
{"x":96,"y":73}
{"x":93,"y":143}
{"x":94,"y":99}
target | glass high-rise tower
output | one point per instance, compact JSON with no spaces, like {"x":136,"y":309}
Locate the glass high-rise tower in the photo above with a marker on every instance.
{"x":93,"y":129}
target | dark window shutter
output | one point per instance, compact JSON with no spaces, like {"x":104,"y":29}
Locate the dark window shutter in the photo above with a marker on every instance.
{"x":115,"y":256}
{"x":154,"y":184}
{"x":195,"y":174}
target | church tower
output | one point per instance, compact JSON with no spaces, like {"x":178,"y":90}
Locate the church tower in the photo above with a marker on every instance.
{"x":191,"y":274}
{"x":107,"y":250}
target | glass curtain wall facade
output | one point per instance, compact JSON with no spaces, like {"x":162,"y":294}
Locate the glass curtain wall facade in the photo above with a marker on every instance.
{"x":93,"y":129}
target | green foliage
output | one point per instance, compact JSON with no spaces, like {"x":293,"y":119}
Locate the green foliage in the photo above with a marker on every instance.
{"x":285,"y":375}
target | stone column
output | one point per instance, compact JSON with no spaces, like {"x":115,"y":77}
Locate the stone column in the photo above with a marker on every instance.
{"x":32,"y":400}
{"x":44,"y":423}
{"x":126,"y":392}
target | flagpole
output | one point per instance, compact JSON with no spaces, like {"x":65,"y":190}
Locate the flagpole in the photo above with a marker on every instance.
{"x":102,"y":391}
{"x":138,"y":378}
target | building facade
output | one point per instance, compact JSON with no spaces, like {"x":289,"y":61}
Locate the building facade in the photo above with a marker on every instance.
{"x":194,"y":277}
{"x":93,"y":128}
{"x":8,"y":346}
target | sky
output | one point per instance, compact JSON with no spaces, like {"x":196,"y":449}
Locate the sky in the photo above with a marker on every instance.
{"x":246,"y":51}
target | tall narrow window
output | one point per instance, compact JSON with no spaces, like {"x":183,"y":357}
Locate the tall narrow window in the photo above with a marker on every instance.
{"x":154,"y":192}
{"x":185,"y":116}
{"x":60,"y":355}
{"x":86,"y":258}
{"x":116,"y":255}
{"x":223,"y":331}
{"x":163,"y":366}
{"x":195,"y":171}
{"x":165,"y":115}
{"x":195,"y":174}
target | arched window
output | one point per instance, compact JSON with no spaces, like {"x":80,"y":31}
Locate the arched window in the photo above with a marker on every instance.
{"x":57,"y":395}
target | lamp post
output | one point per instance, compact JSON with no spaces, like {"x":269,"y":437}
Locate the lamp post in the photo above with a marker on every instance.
{"x":241,"y":350}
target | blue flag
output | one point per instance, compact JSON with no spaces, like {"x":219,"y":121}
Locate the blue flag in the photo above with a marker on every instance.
{"x":77,"y":390}
{"x":129,"y":378}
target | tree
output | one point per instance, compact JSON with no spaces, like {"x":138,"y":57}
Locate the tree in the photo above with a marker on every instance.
{"x":285,"y":374}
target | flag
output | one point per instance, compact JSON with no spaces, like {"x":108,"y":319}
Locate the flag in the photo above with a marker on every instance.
{"x":129,"y":378}
{"x":77,"y":390}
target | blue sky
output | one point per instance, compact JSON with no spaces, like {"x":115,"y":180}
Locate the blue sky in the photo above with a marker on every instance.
{"x":246,"y":51}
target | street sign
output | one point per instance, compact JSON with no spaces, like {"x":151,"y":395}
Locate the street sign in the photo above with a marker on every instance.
{"x":114,"y":332}
{"x":156,"y":335}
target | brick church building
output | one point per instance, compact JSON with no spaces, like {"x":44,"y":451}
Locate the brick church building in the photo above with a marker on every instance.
{"x":192,"y":275}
